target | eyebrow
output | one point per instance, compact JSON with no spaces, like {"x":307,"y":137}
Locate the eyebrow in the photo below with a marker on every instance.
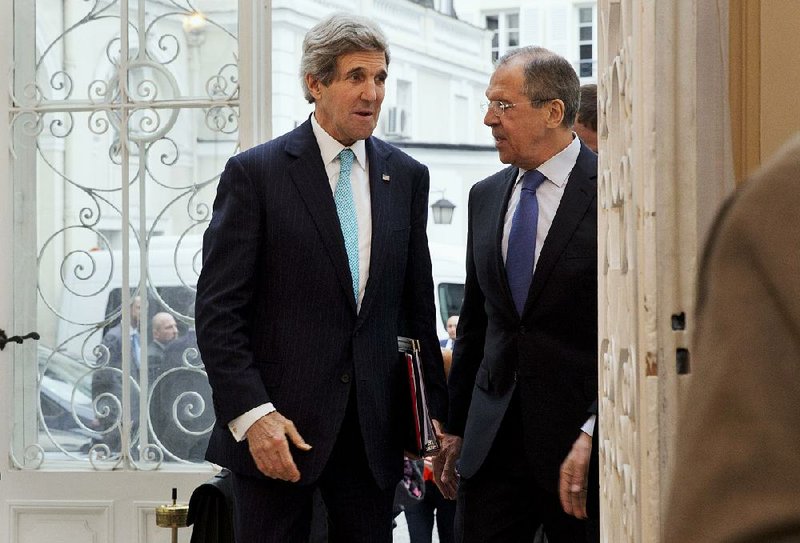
{"x":361,"y":69}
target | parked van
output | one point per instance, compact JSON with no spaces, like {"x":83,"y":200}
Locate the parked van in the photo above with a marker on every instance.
{"x":448,"y":262}
{"x":91,"y":305}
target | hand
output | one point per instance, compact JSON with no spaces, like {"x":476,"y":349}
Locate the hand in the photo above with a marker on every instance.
{"x":573,"y":480}
{"x":444,"y":465}
{"x":270,"y":448}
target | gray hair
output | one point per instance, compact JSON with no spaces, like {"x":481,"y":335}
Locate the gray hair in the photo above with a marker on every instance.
{"x":338,"y":35}
{"x":547,"y":76}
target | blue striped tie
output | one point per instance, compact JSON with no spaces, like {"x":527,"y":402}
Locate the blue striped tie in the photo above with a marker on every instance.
{"x":346,"y":209}
{"x":522,"y":240}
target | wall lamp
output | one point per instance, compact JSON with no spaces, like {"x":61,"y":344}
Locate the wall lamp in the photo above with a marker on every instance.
{"x":442,"y":209}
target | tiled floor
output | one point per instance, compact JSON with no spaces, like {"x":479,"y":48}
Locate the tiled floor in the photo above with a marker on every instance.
{"x":401,"y":531}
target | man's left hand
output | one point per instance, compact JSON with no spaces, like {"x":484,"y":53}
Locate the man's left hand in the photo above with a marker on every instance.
{"x":573,"y":480}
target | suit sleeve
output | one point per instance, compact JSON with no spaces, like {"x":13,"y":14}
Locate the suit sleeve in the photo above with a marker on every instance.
{"x":471,"y":335}
{"x":419,"y":311}
{"x":225,"y":293}
{"x":738,"y":423}
{"x":106,"y":379}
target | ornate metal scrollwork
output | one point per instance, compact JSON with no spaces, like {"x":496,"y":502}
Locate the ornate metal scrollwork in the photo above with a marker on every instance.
{"x":129,"y":148}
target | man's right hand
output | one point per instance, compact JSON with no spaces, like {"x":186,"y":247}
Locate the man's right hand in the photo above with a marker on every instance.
{"x":444,"y":465}
{"x":270,"y":448}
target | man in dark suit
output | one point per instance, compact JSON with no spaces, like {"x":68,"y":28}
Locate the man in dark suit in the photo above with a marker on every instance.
{"x":586,"y":121}
{"x":183,"y":385}
{"x":107,"y":381}
{"x":449,"y":341}
{"x":165,"y":330}
{"x":315,"y":260}
{"x":523,"y":384}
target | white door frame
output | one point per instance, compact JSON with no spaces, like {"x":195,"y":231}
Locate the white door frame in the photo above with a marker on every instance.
{"x":64,"y":505}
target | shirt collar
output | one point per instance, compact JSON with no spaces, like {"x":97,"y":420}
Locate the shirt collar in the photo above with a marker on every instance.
{"x":330,"y":148}
{"x":559,"y":166}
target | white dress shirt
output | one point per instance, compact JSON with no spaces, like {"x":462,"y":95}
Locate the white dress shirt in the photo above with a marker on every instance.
{"x":556,"y":172}
{"x":359,"y":180}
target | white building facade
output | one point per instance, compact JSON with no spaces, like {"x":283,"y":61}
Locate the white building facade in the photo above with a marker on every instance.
{"x":568,"y":27}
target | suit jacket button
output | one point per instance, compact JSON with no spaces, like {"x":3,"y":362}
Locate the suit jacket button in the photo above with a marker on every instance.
{"x":522,"y":330}
{"x":345,"y":378}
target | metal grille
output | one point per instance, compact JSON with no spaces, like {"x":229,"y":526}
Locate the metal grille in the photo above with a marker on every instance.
{"x":123,"y":113}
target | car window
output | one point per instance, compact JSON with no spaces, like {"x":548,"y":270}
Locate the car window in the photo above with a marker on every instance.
{"x":450,"y":297}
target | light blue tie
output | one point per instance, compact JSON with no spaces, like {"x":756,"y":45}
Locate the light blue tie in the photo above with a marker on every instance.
{"x":346,"y":209}
{"x":136,"y":349}
{"x":522,"y":240}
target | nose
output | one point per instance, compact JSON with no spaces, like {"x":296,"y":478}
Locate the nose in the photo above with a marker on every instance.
{"x":369,"y":92}
{"x":490,"y":119}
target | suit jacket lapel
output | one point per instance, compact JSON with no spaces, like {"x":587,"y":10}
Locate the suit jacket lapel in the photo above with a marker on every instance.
{"x":308,"y":174}
{"x":578,"y":195}
{"x":511,"y":175}
{"x":381,"y":200}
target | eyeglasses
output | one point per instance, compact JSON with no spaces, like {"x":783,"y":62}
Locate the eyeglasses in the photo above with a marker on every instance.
{"x":498,"y":108}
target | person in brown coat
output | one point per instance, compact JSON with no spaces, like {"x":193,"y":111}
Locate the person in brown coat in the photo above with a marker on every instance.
{"x":737,"y":465}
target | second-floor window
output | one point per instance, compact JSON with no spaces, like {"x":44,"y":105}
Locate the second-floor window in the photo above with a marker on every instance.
{"x":505,"y":28}
{"x":586,"y":41}
{"x":398,"y":120}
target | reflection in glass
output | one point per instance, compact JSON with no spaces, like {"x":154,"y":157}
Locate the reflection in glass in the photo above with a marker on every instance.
{"x":123,"y":150}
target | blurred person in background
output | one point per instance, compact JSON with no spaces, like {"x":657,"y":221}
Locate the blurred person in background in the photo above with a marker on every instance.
{"x":737,"y":465}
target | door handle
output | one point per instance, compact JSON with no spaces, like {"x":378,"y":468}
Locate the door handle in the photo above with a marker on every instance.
{"x":4,"y":339}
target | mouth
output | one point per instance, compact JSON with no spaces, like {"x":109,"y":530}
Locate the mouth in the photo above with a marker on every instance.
{"x":365,"y":114}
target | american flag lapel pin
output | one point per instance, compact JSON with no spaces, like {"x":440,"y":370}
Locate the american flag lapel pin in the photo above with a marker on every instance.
{"x":385,"y":178}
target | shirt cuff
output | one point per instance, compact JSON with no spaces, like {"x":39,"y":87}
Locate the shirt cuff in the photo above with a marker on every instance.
{"x":241,"y":424}
{"x":588,"y":426}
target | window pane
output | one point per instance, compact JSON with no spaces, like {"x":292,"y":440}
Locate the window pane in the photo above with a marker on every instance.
{"x":586,"y":51}
{"x":513,"y":39}
{"x":491,"y":22}
{"x":451,"y":295}
{"x":92,"y":144}
{"x":586,"y":69}
{"x":585,"y":15}
{"x":512,"y":21}
{"x":585,"y":33}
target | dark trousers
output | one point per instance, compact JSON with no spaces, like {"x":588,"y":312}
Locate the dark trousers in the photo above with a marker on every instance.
{"x":502,"y":502}
{"x":272,"y":511}
{"x":420,"y":517}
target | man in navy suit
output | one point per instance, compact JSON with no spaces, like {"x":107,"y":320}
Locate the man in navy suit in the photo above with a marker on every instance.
{"x":303,"y":293}
{"x":523,"y":384}
{"x":107,"y":381}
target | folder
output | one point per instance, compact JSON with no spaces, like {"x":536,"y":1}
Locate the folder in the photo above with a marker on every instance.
{"x":420,"y":439}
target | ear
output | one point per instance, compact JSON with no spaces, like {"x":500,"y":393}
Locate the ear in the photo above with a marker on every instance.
{"x":314,"y":86}
{"x":555,"y":113}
